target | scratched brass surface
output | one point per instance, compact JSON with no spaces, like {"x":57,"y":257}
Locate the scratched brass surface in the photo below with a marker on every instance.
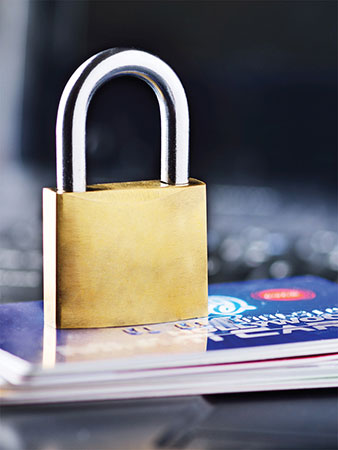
{"x":125,"y":254}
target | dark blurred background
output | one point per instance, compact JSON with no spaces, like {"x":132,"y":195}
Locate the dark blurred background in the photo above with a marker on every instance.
{"x":260,"y":78}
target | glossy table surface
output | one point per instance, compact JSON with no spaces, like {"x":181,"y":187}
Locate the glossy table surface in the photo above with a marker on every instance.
{"x":277,"y":420}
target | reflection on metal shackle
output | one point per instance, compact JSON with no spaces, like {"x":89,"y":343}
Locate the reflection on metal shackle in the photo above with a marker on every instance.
{"x":72,"y":114}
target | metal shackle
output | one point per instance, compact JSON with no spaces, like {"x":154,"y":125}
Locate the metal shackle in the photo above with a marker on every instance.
{"x":74,"y":102}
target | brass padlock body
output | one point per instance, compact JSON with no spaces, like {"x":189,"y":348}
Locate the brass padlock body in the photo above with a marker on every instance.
{"x":125,"y":254}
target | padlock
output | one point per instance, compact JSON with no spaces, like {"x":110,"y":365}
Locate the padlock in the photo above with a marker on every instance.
{"x":124,"y":253}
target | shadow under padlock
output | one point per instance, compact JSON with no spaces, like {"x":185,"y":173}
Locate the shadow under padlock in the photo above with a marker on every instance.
{"x":124,"y":253}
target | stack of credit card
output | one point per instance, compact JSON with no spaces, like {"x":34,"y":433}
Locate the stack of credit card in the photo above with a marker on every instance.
{"x":259,"y":335}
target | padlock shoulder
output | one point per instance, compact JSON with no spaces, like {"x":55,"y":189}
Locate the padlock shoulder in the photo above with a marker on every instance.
{"x":128,"y":192}
{"x":130,"y":185}
{"x":148,"y":184}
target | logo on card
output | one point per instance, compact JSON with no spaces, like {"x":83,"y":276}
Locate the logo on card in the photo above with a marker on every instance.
{"x":223,"y":305}
{"x":284,"y":295}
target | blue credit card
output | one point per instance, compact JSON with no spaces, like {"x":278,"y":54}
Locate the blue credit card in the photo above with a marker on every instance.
{"x":267,"y":312}
{"x":241,"y":315}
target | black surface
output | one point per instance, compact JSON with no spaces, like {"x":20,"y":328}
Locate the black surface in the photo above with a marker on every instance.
{"x":275,"y":420}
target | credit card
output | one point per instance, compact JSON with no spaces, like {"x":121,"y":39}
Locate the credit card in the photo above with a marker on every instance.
{"x":247,"y":321}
